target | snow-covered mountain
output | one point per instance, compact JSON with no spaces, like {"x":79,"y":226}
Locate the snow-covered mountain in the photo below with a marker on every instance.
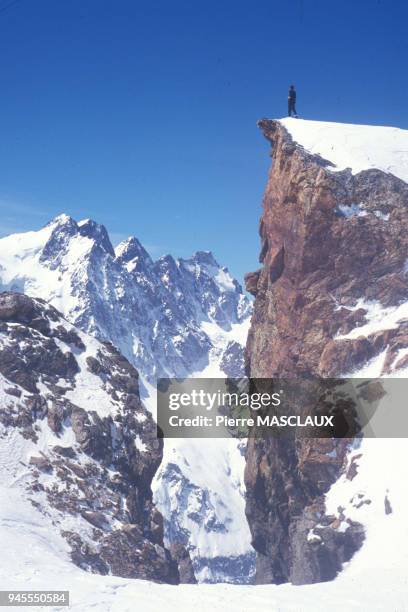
{"x":171,"y":317}
{"x":78,"y":444}
{"x":332,"y":297}
{"x":154,"y":312}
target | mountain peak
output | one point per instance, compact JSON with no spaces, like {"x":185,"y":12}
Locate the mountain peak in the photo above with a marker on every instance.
{"x":98,"y":233}
{"x":63,"y":224}
{"x":62,"y":220}
{"x":130,"y":249}
{"x":205,"y":258}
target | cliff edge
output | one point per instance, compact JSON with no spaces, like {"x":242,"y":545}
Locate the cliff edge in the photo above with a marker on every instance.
{"x":331,"y":299}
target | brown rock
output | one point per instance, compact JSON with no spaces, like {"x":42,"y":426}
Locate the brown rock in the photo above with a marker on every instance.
{"x":185,"y":567}
{"x":317,"y":264}
{"x":251,"y":281}
{"x":55,"y":415}
{"x":41,"y":463}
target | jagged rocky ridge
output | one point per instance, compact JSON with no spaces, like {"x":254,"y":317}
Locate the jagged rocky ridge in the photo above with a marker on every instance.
{"x":168,"y":317}
{"x":70,"y":408}
{"x":152,"y":311}
{"x":331,"y":300}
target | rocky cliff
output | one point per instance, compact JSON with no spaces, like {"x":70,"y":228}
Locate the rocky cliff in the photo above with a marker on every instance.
{"x":78,"y":442}
{"x":331,"y":299}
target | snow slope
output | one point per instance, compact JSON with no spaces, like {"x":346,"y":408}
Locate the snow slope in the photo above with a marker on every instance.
{"x":37,"y":558}
{"x":199,"y":487}
{"x":199,"y":490}
{"x":374,"y":580}
{"x":378,"y":317}
{"x":359,"y":147}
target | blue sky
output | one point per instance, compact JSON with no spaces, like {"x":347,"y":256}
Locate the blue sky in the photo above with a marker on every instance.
{"x":142,"y":115}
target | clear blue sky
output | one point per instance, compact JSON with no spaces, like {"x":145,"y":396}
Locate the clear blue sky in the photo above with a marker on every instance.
{"x":142,"y":115}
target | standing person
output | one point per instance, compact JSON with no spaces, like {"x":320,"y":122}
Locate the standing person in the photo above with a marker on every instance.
{"x":292,"y":101}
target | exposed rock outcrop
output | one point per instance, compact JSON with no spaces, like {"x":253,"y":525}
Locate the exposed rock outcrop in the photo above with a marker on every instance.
{"x":91,"y":446}
{"x":332,"y":245}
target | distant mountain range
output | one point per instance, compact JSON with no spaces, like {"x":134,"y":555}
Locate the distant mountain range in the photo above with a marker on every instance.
{"x":162,"y":315}
{"x":170,"y":317}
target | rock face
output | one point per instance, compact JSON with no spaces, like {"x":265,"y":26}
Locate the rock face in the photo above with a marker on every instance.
{"x":334,"y":247}
{"x":70,"y":405}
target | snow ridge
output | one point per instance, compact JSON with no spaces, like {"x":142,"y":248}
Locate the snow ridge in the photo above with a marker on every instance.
{"x":358,"y":147}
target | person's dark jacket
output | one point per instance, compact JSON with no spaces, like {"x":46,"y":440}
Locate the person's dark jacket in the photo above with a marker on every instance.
{"x":292,"y":95}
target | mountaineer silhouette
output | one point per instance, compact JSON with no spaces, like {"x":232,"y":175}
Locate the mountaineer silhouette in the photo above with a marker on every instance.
{"x":292,"y":102}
